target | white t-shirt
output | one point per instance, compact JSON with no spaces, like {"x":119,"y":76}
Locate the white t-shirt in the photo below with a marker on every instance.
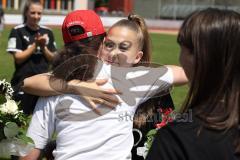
{"x":84,"y":135}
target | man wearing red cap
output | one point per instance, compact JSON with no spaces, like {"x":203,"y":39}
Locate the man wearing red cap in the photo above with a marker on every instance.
{"x":81,"y":24}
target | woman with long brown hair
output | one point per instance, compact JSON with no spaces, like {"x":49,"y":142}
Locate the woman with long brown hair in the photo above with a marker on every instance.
{"x":209,"y":41}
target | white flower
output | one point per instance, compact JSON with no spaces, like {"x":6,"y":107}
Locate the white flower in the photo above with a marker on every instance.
{"x":9,"y":107}
{"x":6,"y":88}
{"x":142,"y":151}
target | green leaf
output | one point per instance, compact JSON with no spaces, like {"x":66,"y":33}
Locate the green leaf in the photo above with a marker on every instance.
{"x":150,"y":137}
{"x":11,"y":129}
{"x":25,"y":139}
{"x":152,"y":132}
{"x":22,"y":136}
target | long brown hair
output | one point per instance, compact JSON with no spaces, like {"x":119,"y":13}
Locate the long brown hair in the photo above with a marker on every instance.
{"x":212,"y":37}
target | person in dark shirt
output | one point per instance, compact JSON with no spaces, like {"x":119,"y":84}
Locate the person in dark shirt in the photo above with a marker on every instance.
{"x":32,"y":47}
{"x":208,"y":128}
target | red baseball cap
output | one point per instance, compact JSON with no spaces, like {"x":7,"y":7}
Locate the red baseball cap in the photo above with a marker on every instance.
{"x":81,"y":24}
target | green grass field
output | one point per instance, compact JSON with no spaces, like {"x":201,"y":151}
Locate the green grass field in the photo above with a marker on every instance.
{"x":165,"y":51}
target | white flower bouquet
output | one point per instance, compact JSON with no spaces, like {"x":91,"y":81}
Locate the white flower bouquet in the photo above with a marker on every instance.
{"x":12,"y":122}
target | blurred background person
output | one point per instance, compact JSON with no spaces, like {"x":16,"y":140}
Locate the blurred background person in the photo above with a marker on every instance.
{"x":1,"y":20}
{"x":32,"y":47}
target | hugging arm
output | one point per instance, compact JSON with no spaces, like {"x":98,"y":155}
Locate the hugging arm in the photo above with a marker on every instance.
{"x":179,"y":76}
{"x":161,"y":80}
{"x":40,"y":85}
{"x":44,"y":85}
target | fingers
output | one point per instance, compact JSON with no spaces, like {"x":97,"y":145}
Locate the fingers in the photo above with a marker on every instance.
{"x":40,"y":41}
{"x":38,"y":35}
{"x":110,"y":98}
{"x":111,"y":105}
{"x":111,"y":91}
{"x":92,"y":105}
{"x":92,"y":102}
{"x":108,"y":91}
{"x":45,"y":36}
{"x":101,"y":81}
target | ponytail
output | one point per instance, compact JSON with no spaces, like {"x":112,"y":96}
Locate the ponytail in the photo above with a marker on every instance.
{"x":144,"y":38}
